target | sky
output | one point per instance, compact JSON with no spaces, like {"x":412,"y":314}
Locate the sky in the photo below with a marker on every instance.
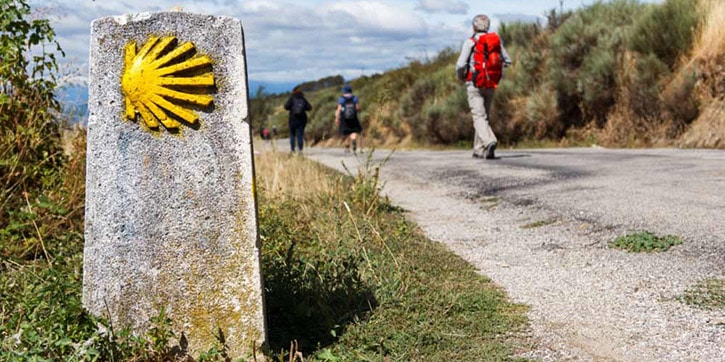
{"x":289,"y":42}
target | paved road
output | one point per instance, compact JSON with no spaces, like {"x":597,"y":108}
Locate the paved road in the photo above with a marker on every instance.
{"x":588,"y":302}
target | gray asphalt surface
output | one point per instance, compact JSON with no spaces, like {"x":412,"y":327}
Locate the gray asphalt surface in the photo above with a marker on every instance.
{"x":588,"y":302}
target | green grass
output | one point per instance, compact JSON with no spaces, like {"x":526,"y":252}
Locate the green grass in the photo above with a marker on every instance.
{"x":645,"y":241}
{"x":399,"y":296}
{"x":707,"y":294}
{"x":347,"y":278}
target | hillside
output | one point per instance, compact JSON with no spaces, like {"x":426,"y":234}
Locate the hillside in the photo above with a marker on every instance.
{"x":617,"y":74}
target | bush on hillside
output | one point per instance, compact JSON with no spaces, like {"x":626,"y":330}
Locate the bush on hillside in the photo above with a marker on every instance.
{"x":519,"y":33}
{"x":680,"y":101}
{"x":436,"y":107}
{"x":597,"y":85}
{"x":666,"y":30}
{"x":639,"y":85}
{"x":321,"y":125}
{"x":584,"y":60}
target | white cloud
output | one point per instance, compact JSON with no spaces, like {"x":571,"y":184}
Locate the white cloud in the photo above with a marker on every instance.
{"x":443,"y":6}
{"x":374,"y":18}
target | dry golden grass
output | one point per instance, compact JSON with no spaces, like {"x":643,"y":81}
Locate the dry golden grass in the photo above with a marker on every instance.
{"x":289,"y":176}
{"x":708,"y":56}
{"x":711,"y":40}
{"x":708,"y":131}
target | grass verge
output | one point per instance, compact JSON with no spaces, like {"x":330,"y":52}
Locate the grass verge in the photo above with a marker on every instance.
{"x":645,"y":241}
{"x":349,"y":279}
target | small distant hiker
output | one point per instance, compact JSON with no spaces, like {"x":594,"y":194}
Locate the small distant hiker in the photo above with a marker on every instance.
{"x":297,"y":106}
{"x":346,"y":117}
{"x":480,"y":65}
{"x":265,"y":134}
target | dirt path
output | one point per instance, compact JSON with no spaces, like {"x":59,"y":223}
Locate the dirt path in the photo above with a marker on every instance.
{"x":538,"y":223}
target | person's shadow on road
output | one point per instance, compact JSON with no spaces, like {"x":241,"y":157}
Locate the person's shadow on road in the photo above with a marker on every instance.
{"x":511,"y":156}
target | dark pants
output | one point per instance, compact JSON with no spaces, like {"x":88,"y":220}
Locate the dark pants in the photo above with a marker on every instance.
{"x":296,"y":132}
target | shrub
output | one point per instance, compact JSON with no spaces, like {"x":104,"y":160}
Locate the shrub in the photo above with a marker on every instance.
{"x":31,"y":157}
{"x":639,"y":83}
{"x":666,"y":30}
{"x":680,"y":101}
{"x":584,"y":60}
{"x":519,"y":33}
{"x":321,"y":120}
{"x":542,"y":114}
{"x":597,"y":85}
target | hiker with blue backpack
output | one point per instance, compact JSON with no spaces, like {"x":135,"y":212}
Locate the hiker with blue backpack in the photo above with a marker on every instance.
{"x":346,"y":117}
{"x":480,"y":65}
{"x":297,"y":106}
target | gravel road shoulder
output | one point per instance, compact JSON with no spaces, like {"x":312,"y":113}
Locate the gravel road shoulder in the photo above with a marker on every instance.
{"x":588,"y":302}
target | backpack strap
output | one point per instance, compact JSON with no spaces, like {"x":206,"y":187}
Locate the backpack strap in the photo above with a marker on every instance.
{"x":470,"y":55}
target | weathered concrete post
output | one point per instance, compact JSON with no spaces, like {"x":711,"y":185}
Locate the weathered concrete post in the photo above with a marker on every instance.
{"x":170,"y":210}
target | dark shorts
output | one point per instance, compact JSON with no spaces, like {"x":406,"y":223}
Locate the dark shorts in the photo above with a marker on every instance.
{"x":348,"y":127}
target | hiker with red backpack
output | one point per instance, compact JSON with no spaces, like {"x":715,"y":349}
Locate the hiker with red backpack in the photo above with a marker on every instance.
{"x":346,"y":117}
{"x":480,"y":65}
{"x":297,"y":106}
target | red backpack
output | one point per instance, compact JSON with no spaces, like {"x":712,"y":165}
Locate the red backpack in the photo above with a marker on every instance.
{"x":487,"y":61}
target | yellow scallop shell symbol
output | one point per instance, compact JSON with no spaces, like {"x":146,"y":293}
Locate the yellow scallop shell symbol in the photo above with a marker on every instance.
{"x":162,"y":83}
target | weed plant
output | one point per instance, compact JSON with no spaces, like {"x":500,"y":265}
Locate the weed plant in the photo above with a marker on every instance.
{"x":645,"y":241}
{"x":707,"y":294}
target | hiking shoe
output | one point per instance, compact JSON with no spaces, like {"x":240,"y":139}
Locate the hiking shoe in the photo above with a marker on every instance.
{"x":476,"y":155}
{"x":490,"y":151}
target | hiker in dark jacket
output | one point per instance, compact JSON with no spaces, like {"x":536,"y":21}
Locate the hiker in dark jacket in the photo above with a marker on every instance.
{"x":297,"y":106}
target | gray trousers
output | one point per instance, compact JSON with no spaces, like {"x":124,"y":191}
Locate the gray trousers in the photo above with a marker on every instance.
{"x":480,"y":102}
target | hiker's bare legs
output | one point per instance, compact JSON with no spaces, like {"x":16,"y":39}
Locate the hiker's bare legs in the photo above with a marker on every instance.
{"x":353,"y":140}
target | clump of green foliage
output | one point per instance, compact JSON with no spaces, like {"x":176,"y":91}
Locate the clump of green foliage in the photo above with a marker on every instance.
{"x":645,"y":241}
{"x":41,"y":200}
{"x":666,"y":31}
{"x":31,"y":160}
{"x":707,"y":294}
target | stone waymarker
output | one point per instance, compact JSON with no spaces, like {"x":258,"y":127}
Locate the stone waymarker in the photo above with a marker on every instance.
{"x":170,"y":208}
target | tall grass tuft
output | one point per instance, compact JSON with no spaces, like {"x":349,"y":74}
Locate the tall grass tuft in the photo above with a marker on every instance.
{"x":708,"y":55}
{"x":710,"y":42}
